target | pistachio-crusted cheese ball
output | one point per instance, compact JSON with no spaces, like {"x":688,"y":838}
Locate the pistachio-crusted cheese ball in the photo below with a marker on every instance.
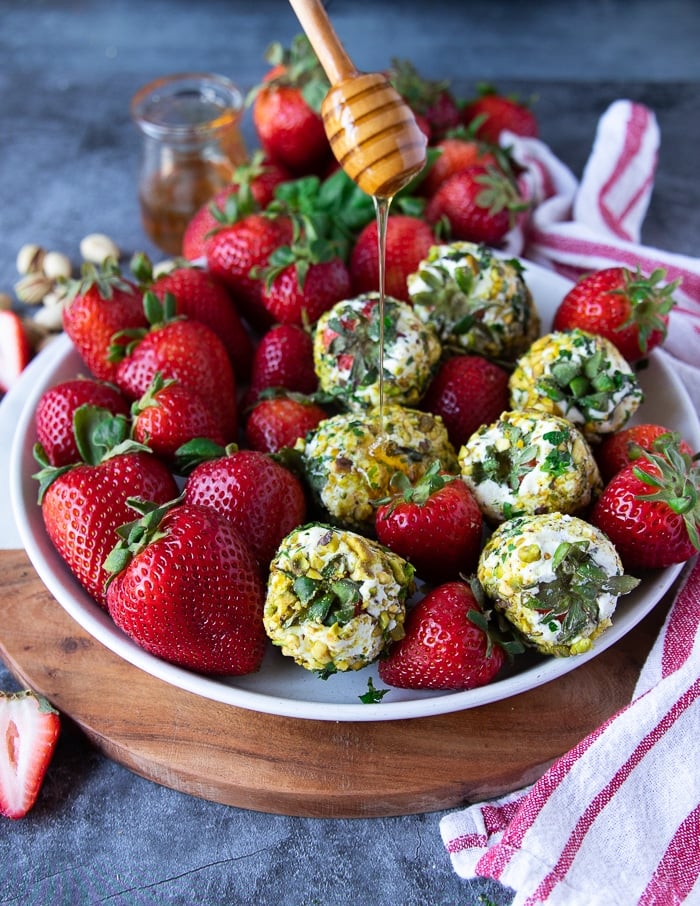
{"x":347,"y":347}
{"x":529,"y":462}
{"x":555,"y":578}
{"x":476,"y":301}
{"x":349,"y":458}
{"x":580,"y":376}
{"x":334,"y":598}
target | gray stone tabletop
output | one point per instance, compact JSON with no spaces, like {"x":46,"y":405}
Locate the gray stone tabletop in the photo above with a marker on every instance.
{"x":68,"y":161}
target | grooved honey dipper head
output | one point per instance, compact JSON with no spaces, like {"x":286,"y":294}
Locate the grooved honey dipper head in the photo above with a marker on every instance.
{"x":373,"y":134}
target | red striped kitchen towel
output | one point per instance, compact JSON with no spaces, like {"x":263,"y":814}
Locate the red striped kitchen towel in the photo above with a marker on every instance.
{"x":577,"y":227}
{"x":617,"y":819}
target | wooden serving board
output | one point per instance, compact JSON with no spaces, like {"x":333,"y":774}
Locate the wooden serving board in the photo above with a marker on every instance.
{"x":302,"y":767}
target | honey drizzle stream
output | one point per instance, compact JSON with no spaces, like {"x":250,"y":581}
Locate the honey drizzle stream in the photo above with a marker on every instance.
{"x":381,"y":206}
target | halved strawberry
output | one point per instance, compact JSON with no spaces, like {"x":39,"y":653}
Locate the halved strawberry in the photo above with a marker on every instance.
{"x":15,"y":351}
{"x":29,"y":729}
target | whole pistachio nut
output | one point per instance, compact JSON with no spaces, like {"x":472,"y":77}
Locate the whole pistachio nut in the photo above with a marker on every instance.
{"x":32,"y":288}
{"x":30,"y":258}
{"x":57,"y":265}
{"x":97,"y":247}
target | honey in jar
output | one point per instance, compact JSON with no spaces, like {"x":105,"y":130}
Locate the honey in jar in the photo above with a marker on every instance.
{"x":192,"y":143}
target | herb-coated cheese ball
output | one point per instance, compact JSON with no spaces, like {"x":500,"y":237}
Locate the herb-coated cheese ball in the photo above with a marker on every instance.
{"x":556,"y":579}
{"x":476,"y":301}
{"x":580,"y":376}
{"x":347,"y":345}
{"x":335,"y":598}
{"x":350,"y":458}
{"x":529,"y":462}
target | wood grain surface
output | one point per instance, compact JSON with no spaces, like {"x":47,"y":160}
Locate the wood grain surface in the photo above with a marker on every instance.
{"x":302,"y":767}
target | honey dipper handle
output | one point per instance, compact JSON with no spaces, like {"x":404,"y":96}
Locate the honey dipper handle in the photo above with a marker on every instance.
{"x":326,"y":44}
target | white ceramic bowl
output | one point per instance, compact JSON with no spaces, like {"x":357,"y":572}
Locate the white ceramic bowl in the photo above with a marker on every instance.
{"x":281,"y":687}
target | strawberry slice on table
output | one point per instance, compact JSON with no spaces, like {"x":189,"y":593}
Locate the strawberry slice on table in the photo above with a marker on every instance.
{"x":650,"y":510}
{"x":29,"y":730}
{"x":479,"y":203}
{"x":436,"y":524}
{"x":101,"y":304}
{"x":286,"y":109}
{"x":624,"y":306}
{"x":83,"y":505}
{"x":56,"y":408}
{"x":408,"y":241}
{"x":262,"y":498}
{"x":186,"y":587}
{"x":15,"y":351}
{"x":491,"y":113}
{"x":447,"y":644}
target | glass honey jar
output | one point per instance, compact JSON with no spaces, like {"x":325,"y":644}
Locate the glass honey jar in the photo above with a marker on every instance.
{"x":192,"y":143}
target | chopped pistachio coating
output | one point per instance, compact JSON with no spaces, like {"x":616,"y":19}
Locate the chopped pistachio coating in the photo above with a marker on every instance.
{"x":347,"y":343}
{"x":476,"y":301}
{"x":529,"y":462}
{"x":349,"y":458}
{"x":335,"y":599}
{"x":556,"y":579}
{"x":580,"y":376}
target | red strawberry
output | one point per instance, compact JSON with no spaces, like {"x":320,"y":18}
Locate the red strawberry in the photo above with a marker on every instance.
{"x":29,"y":728}
{"x":456,"y":153}
{"x":15,"y":351}
{"x":436,"y":524}
{"x":431,"y":100}
{"x":262,"y":499}
{"x":627,"y":308}
{"x":186,"y":587}
{"x":616,"y":450}
{"x":280,"y":421}
{"x":299,"y":293}
{"x":283,"y":358}
{"x":186,"y":351}
{"x":467,"y":391}
{"x":82,"y":506}
{"x":252,"y":189}
{"x":234,"y":251}
{"x":408,"y":240}
{"x":202,"y":297}
{"x":479,"y":203}
{"x":286,"y":109}
{"x":102,"y":304}
{"x":446,"y":645}
{"x":56,"y":408}
{"x":651,"y":509}
{"x":491,"y":113}
{"x":169,"y":415}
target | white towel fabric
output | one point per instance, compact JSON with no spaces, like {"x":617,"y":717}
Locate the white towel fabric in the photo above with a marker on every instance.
{"x":616,"y":819}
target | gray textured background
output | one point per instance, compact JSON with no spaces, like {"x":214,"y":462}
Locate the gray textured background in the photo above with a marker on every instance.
{"x":68,"y":161}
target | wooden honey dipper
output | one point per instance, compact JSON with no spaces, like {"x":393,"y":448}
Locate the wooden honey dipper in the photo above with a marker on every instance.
{"x":371,"y":129}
